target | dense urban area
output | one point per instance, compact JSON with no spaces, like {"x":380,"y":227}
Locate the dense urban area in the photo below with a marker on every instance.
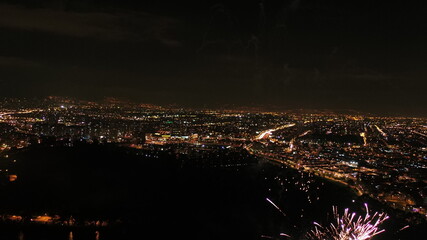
{"x":384,"y":158}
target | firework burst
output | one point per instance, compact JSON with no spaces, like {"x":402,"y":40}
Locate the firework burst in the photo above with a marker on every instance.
{"x":349,"y":226}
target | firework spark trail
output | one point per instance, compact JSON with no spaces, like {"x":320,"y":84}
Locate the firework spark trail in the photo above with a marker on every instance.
{"x":264,"y":236}
{"x":349,"y":226}
{"x":272,"y":203}
{"x":284,"y":234}
{"x":270,"y":237}
{"x":405,"y":227}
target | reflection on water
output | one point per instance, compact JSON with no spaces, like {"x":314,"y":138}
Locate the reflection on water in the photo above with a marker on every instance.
{"x":21,"y":236}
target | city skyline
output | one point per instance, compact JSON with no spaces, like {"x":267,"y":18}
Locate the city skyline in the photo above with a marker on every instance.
{"x":292,"y":160}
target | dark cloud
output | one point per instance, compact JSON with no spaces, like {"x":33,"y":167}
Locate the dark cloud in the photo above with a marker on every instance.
{"x":12,"y":62}
{"x":129,"y":25}
{"x":60,"y":22}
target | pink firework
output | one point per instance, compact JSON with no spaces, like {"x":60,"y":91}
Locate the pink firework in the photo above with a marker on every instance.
{"x":349,"y":226}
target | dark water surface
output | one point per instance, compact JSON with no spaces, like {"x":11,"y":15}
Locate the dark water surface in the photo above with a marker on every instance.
{"x":154,"y":198}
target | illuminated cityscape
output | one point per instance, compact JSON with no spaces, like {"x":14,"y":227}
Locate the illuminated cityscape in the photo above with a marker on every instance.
{"x":207,"y":120}
{"x":384,"y":158}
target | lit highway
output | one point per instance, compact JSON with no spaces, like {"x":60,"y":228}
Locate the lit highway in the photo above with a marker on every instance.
{"x":266,"y":134}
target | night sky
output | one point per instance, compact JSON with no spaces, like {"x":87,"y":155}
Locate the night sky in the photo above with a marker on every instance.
{"x":364,"y":55}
